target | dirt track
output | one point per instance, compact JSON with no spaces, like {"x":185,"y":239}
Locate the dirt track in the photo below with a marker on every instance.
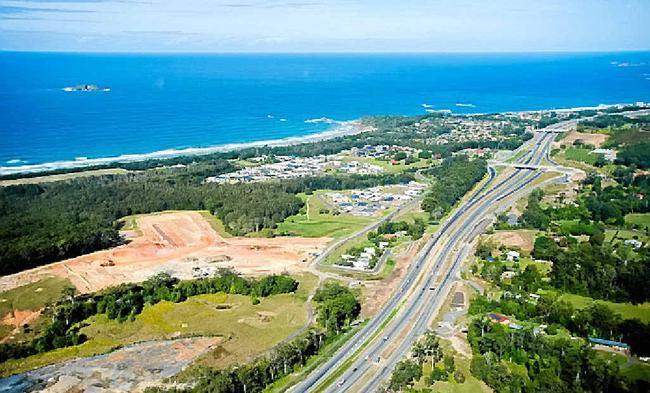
{"x":175,"y":242}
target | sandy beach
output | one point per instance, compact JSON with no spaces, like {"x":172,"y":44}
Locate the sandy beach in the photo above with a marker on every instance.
{"x":341,"y":129}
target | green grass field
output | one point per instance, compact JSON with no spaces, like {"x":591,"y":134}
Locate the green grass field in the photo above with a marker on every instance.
{"x":627,"y":310}
{"x":582,"y":155}
{"x":640,"y":220}
{"x":519,"y":154}
{"x":311,"y":223}
{"x":215,"y":223}
{"x":636,"y":371}
{"x":247,"y":329}
{"x":624,"y":234}
{"x":33,"y":296}
{"x":387,"y":166}
{"x":543,"y":268}
{"x":575,"y":227}
{"x":471,"y":384}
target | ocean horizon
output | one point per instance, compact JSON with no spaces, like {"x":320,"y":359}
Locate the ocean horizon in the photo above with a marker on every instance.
{"x":152,"y":103}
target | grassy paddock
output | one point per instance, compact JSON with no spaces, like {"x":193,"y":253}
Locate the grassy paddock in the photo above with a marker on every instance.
{"x":639,"y":220}
{"x":627,"y":310}
{"x":33,"y":296}
{"x":215,"y":223}
{"x":311,"y":223}
{"x":624,"y":235}
{"x":247,"y":330}
{"x":581,"y":155}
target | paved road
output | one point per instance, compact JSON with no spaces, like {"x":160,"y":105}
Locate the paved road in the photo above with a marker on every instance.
{"x":416,"y":303}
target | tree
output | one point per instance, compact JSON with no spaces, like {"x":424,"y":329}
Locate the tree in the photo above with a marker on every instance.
{"x":405,"y":374}
{"x":545,"y":248}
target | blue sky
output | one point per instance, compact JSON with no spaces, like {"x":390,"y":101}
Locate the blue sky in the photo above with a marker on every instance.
{"x":324,"y":25}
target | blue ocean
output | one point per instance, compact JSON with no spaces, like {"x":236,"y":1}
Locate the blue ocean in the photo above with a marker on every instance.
{"x":173,"y":101}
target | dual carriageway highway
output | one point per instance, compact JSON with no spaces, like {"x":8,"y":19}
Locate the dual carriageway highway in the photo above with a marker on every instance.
{"x":368,"y":358}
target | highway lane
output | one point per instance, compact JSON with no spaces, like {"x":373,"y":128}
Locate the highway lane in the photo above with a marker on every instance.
{"x":323,"y":372}
{"x":417,"y":324}
{"x":416,"y":317}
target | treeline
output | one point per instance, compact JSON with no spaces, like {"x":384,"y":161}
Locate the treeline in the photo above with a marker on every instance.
{"x":612,"y":121}
{"x":454,"y":178}
{"x":415,"y":229}
{"x":519,"y":360}
{"x":337,"y":307}
{"x":128,"y":300}
{"x":637,"y":154}
{"x":47,"y":222}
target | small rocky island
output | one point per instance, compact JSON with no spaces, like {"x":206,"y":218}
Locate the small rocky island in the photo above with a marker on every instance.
{"x":86,"y":88}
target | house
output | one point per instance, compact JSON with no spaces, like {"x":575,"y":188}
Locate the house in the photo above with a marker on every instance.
{"x":383,"y":245}
{"x":633,"y":243}
{"x":361,"y":263}
{"x":508,"y":275}
{"x":512,"y":256}
{"x":609,"y":344}
{"x":512,"y":219}
{"x":370,"y":251}
{"x":609,"y":154}
{"x":498,"y":318}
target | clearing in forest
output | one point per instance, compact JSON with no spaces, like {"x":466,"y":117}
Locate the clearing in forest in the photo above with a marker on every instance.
{"x":181,"y":243}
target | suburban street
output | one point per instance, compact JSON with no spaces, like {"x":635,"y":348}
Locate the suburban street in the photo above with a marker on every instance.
{"x":367,"y":359}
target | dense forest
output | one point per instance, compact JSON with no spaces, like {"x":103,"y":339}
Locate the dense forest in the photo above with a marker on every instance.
{"x":53,"y":221}
{"x":337,"y":306}
{"x":128,"y":300}
{"x":454,"y":178}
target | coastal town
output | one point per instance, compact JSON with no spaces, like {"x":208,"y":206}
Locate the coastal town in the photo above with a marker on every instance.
{"x":266,"y":168}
